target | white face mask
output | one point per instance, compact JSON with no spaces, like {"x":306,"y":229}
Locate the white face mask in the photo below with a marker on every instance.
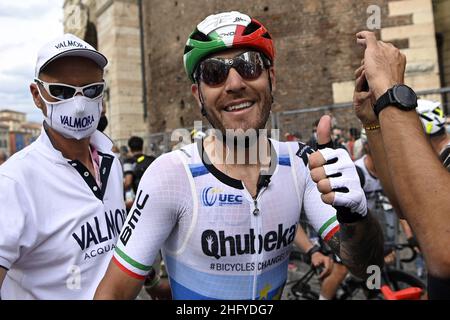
{"x":75,"y":118}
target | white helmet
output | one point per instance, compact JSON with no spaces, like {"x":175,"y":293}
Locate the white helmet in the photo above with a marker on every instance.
{"x":197,"y":134}
{"x":431,"y":115}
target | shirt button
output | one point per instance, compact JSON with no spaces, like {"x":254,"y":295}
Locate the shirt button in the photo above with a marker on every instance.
{"x":74,"y":164}
{"x":86,"y":174}
{"x":95,"y":188}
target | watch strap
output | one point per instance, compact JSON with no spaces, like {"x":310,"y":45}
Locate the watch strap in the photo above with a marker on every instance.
{"x":383,"y":102}
{"x":315,"y":248}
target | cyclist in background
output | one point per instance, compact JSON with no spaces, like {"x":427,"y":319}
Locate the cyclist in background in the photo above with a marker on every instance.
{"x":433,"y":120}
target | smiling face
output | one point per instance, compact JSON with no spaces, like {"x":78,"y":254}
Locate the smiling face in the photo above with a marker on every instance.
{"x":237,"y":103}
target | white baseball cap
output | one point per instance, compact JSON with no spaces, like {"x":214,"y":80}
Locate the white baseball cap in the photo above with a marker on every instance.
{"x":67,"y":45}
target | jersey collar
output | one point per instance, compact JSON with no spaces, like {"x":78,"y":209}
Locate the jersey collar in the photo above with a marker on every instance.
{"x":98,"y":140}
{"x":222,"y":177}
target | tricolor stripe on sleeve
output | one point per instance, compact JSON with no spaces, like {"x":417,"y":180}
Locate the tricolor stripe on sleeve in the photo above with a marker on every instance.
{"x":329,"y":228}
{"x":129,"y":266}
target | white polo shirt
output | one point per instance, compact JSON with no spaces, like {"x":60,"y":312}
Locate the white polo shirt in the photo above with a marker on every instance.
{"x":58,"y":229}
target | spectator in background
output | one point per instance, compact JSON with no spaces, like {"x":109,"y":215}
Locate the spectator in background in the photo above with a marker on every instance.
{"x":296,"y":136}
{"x":336,"y":136}
{"x":3,"y":156}
{"x":358,"y":146}
{"x":116,"y":152}
{"x":123,"y":154}
{"x":350,"y":145}
{"x":134,"y":168}
{"x":313,"y":139}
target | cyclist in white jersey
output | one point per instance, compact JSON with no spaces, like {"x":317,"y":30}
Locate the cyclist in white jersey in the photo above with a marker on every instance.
{"x":226,"y":229}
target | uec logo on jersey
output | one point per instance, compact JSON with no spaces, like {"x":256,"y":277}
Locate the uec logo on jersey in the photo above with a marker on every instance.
{"x":211,"y":196}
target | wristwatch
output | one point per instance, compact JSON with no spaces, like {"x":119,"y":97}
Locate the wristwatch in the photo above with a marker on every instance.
{"x":400,"y":95}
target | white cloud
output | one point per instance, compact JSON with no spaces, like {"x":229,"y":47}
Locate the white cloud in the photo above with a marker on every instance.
{"x":26,"y":25}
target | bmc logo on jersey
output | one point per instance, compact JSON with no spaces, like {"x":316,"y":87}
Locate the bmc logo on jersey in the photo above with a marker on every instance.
{"x":213,"y":196}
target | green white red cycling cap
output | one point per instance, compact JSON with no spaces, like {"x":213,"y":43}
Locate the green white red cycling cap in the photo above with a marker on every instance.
{"x":226,"y":30}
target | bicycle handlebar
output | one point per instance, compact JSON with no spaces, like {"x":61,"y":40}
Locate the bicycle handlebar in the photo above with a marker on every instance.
{"x":402,"y":246}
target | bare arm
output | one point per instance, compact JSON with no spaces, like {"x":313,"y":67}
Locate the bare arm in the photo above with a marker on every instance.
{"x":2,"y":275}
{"x":317,"y":258}
{"x":359,"y":245}
{"x":411,"y":160}
{"x":425,"y":205}
{"x":117,"y":285}
{"x":301,"y":240}
{"x":362,"y":103}
{"x":127,"y":181}
{"x":381,"y":165}
{"x":406,"y":229}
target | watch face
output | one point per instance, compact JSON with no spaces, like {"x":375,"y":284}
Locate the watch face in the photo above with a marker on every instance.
{"x":405,"y":96}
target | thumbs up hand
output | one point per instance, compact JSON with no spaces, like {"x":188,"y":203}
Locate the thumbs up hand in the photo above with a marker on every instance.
{"x":336,"y":177}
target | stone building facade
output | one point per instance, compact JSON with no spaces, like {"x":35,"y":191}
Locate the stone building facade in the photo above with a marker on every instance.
{"x":113,"y":28}
{"x":315,"y":47}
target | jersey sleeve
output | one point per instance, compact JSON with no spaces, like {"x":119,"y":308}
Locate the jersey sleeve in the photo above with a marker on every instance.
{"x":161,"y":201}
{"x":320,"y":215}
{"x":13,"y":211}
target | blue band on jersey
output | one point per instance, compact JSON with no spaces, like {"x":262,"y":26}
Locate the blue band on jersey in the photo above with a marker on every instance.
{"x":198,"y":170}
{"x":218,"y":284}
{"x":284,"y":161}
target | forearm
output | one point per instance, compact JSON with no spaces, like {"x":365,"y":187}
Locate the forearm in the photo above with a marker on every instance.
{"x":378,"y":154}
{"x":116,"y":285}
{"x":359,"y":245}
{"x":406,"y":229}
{"x":420,"y":182}
{"x":2,"y":276}
{"x":301,"y":240}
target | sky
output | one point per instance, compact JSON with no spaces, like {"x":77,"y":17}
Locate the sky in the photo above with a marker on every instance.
{"x":25,"y":25}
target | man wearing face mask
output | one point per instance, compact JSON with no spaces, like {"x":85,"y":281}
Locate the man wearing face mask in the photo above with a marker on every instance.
{"x":61,"y":204}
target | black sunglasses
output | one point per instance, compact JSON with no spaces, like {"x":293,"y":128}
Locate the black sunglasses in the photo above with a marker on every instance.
{"x":214,"y":71}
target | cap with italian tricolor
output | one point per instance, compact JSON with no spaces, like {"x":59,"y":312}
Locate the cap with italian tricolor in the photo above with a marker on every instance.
{"x":223,"y":31}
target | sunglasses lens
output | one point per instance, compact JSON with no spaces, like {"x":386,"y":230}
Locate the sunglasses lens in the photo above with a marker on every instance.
{"x":93,"y":91}
{"x":213,"y":72}
{"x":61,"y":92}
{"x":248,"y":70}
